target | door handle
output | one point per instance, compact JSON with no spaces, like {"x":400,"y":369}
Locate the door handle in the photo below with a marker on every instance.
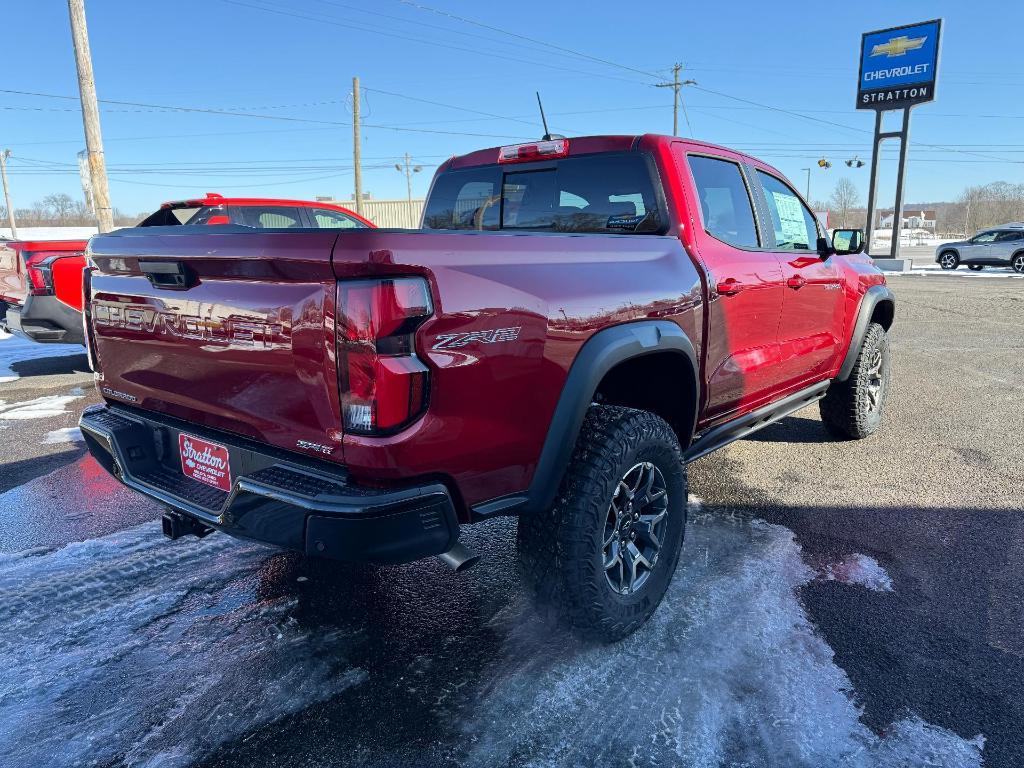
{"x":796,"y":282}
{"x":729,"y":287}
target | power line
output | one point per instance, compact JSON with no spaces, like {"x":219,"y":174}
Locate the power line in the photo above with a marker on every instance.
{"x":361,"y":27}
{"x":483,"y":25}
{"x":833,"y":123}
{"x":254,"y":115}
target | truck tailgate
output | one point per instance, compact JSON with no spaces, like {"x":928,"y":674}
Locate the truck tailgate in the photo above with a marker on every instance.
{"x":234,"y":331}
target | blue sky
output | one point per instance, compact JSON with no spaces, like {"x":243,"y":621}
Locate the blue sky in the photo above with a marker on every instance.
{"x":285,"y":68}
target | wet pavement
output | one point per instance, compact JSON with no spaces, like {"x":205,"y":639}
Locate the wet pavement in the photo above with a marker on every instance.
{"x":836,"y":604}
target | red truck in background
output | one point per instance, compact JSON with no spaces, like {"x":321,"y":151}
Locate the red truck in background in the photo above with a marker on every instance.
{"x":41,"y":280}
{"x":576,"y":320}
{"x":41,"y":289}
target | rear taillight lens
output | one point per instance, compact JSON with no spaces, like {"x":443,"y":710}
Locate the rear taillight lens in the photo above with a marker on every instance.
{"x":90,"y":340}
{"x":383,"y":384}
{"x":37,"y":268}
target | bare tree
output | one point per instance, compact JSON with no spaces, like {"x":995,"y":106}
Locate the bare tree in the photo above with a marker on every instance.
{"x":844,"y":200}
{"x":60,"y":208}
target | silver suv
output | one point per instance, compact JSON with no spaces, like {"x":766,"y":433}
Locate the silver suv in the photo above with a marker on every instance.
{"x":1001,"y":246}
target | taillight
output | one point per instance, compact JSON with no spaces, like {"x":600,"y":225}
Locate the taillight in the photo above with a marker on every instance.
{"x":383,"y":384}
{"x":40,"y":278}
{"x":537,"y":150}
{"x":90,"y":340}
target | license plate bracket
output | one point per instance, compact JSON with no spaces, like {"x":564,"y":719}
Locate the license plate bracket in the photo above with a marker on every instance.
{"x":205,"y":462}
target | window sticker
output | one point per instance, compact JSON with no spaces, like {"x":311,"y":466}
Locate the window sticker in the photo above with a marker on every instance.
{"x":622,"y":221}
{"x":791,"y":217}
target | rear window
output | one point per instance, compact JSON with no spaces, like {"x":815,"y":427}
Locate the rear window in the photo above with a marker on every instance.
{"x":606,"y":193}
{"x":170,"y":217}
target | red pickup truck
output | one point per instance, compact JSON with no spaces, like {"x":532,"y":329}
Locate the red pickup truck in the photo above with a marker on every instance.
{"x":576,"y":320}
{"x":41,"y":289}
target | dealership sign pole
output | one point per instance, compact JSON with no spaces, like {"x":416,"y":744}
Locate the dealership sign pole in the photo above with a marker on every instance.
{"x":898,"y":69}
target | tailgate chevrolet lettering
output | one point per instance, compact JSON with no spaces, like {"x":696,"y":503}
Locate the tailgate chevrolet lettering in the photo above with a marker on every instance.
{"x":146,"y":320}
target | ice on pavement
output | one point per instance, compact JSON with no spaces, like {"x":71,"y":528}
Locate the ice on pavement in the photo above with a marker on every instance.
{"x":729,"y":671}
{"x":855,"y":569}
{"x":64,"y":435}
{"x":127,"y":650}
{"x":44,"y":407}
{"x":14,"y":349}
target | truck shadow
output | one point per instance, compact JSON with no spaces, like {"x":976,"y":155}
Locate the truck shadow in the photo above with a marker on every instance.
{"x":49,"y":366}
{"x":793,"y":429}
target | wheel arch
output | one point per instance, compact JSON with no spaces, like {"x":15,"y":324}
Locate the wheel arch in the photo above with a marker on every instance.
{"x":877,"y":306}
{"x":656,"y":349}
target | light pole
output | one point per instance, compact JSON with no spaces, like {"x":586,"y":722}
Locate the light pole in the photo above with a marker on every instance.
{"x":4,"y":154}
{"x":409,"y":169}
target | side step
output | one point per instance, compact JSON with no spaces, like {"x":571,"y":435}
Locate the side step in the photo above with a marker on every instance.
{"x":737,"y":429}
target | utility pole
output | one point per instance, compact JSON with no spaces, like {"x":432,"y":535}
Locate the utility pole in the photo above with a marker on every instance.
{"x":7,"y":194}
{"x":677,"y":99}
{"x":91,"y":116}
{"x":807,"y":197}
{"x":409,"y":169}
{"x":357,"y":150}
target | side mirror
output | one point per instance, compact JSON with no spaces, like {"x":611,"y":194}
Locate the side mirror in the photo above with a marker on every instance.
{"x":847,"y":241}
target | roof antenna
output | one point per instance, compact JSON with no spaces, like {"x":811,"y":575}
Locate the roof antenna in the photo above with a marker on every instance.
{"x":547,"y":136}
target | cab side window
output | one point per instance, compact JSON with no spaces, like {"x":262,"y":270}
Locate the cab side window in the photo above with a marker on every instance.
{"x":795,"y":228}
{"x":725,"y":206}
{"x":1006,"y":237}
{"x":984,"y":237}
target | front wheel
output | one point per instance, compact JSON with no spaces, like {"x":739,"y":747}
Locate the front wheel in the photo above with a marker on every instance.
{"x":949,"y":260}
{"x":975,"y":267}
{"x":600,"y":561}
{"x":1018,"y":263}
{"x":852,"y":409}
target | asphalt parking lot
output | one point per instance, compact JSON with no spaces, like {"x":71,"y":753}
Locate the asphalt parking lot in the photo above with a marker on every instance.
{"x":854,"y":604}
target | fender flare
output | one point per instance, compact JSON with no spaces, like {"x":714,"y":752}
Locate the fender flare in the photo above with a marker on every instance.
{"x":601,"y":352}
{"x":875,"y":295}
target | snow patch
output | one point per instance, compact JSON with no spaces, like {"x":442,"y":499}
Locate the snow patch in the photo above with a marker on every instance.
{"x":64,"y":435}
{"x":41,"y":408}
{"x":14,"y":349}
{"x":856,"y":569}
{"x":124,"y":650}
{"x":729,"y":671}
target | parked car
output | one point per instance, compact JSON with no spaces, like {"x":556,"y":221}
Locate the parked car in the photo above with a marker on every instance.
{"x":580,"y":318}
{"x":41,"y":281}
{"x":41,"y":289}
{"x":256,"y":212}
{"x":996,"y":247}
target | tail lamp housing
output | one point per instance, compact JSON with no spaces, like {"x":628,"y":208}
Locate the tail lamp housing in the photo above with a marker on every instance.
{"x":383,"y":384}
{"x":38,"y":267}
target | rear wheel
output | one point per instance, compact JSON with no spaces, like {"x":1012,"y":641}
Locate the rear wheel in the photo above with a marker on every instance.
{"x":852,"y":409}
{"x":975,"y":267}
{"x":949,"y":260}
{"x":1018,"y":263}
{"x":600,"y":561}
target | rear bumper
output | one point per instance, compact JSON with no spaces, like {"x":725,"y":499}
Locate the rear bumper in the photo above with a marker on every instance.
{"x":46,"y":319}
{"x":276,"y":499}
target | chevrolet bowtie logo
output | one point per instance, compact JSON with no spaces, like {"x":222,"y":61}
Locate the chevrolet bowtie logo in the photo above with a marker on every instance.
{"x":897,"y":46}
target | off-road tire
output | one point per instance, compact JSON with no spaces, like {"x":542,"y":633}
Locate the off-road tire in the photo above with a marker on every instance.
{"x":953,"y":263}
{"x":561,"y":549}
{"x":847,"y":410}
